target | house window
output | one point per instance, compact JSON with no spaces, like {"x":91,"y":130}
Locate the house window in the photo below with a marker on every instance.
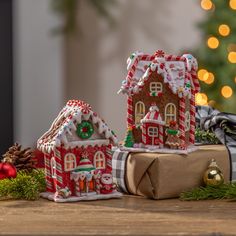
{"x":70,"y":161}
{"x":99,"y":160}
{"x":187,"y":121}
{"x":53,"y":168}
{"x":155,"y":88}
{"x":139,"y":112}
{"x":170,"y":113}
{"x":153,"y":131}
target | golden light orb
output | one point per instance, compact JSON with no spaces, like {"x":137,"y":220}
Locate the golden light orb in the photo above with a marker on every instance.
{"x":206,"y":4}
{"x":202,"y":74}
{"x":232,"y":4}
{"x":213,"y":42}
{"x":235,"y":79}
{"x":232,"y":57}
{"x":201,"y":99}
{"x":210,"y":78}
{"x":224,"y":30}
{"x":226,"y":91}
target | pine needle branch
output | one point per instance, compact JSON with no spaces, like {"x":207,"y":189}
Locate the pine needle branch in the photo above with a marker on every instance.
{"x":225,"y":191}
{"x":25,"y":186}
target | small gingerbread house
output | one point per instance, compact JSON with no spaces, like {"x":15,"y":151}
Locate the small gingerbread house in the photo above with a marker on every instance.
{"x":152,"y":127}
{"x":77,"y":152}
{"x":169,"y":82}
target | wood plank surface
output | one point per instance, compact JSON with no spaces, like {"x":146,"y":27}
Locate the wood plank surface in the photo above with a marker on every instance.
{"x":127,"y":216}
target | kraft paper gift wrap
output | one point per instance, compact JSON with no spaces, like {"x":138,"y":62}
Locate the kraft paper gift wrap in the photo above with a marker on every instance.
{"x":161,"y":176}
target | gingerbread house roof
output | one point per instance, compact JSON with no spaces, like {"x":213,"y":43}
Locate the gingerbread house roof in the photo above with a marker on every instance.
{"x":178,"y":72}
{"x":153,"y":116}
{"x":72,"y":114}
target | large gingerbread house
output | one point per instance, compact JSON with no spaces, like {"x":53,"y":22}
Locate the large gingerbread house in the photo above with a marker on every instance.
{"x":77,"y":154}
{"x":161,"y":89}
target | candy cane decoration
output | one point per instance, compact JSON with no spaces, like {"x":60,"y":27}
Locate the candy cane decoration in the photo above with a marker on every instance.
{"x":192,"y":119}
{"x":97,"y":185}
{"x":182,"y":121}
{"x":130,"y":118}
{"x":161,"y":136}
{"x":109,"y":158}
{"x":144,"y":134}
{"x":77,"y":189}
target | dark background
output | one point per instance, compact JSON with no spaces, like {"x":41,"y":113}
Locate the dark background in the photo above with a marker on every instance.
{"x":6,"y":76}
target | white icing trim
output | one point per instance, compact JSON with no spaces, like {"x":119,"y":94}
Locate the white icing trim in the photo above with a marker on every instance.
{"x":161,"y":66}
{"x":52,"y":197}
{"x":157,"y":149}
{"x":152,"y":121}
{"x":71,"y":115}
{"x":86,"y":143}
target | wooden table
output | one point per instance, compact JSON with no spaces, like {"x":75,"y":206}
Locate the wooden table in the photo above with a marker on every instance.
{"x":128,"y":216}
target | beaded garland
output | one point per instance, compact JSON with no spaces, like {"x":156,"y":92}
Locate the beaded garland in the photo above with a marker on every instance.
{"x":85,"y":130}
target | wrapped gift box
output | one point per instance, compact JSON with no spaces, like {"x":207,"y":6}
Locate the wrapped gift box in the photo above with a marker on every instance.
{"x":161,"y":176}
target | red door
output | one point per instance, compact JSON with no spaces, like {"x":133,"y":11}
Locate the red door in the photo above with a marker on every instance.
{"x":152,"y":134}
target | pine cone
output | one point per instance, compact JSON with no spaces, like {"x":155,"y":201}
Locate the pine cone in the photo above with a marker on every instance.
{"x":21,"y":159}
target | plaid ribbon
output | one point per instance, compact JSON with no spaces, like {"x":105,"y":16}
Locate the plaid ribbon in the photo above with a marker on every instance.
{"x":224,"y":126}
{"x":119,"y":168}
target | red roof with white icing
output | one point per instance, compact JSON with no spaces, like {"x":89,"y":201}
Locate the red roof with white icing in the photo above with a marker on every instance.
{"x":178,"y":72}
{"x":153,"y":116}
{"x":72,"y":114}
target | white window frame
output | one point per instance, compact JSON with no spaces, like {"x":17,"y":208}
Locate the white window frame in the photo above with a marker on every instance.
{"x":187,"y":121}
{"x":153,"y":133}
{"x":69,"y":161}
{"x":53,"y":168}
{"x":155,"y":87}
{"x":139,"y":112}
{"x":170,"y":113}
{"x":99,"y":158}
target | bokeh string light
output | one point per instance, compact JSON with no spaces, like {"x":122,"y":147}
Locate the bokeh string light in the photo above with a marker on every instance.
{"x":232,"y":4}
{"x":224,"y":30}
{"x":206,"y":4}
{"x":226,"y":91}
{"x":213,"y":42}
{"x":232,"y":57}
{"x":201,"y":99}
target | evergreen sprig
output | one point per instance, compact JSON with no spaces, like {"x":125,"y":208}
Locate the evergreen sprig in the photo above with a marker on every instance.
{"x":205,"y":137}
{"x":25,"y":186}
{"x":225,"y":191}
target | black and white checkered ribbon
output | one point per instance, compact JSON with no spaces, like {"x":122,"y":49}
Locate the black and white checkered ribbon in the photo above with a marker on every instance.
{"x":119,"y":169}
{"x":224,"y":126}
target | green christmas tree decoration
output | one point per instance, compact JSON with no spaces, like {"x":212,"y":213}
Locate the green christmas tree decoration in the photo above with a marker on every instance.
{"x":217,"y":55}
{"x":129,"y":139}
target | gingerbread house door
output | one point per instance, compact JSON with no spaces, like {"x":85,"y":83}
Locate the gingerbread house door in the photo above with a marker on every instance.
{"x":152,"y":134}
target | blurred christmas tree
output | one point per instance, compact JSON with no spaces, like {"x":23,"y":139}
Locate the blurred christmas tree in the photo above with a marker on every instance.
{"x":217,"y":55}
